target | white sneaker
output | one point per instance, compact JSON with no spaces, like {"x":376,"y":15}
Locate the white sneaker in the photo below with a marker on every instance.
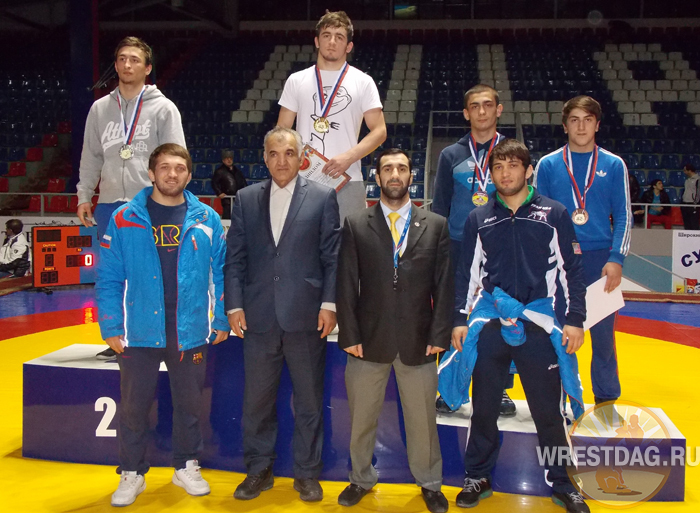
{"x":130,"y":486}
{"x":190,"y":478}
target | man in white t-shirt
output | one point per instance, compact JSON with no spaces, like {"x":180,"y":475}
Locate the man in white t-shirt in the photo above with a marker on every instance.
{"x":331,"y":124}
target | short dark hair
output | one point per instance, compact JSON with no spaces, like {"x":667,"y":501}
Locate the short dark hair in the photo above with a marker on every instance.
{"x":689,"y":167}
{"x":585,"y":103}
{"x":15,"y":225}
{"x":393,"y":151}
{"x":652,"y":183}
{"x":136,"y":42}
{"x":170,"y":149}
{"x":510,"y":148}
{"x":335,"y":19}
{"x":478,"y":89}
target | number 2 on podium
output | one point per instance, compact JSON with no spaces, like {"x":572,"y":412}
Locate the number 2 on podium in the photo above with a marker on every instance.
{"x":107,"y":405}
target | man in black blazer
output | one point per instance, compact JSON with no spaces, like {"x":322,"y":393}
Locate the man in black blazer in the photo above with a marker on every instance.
{"x":395,"y":300}
{"x":280,"y":279}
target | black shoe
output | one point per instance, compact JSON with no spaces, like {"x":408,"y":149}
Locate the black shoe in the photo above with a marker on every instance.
{"x":309,"y":489}
{"x":251,"y":486}
{"x":572,"y":501}
{"x":507,"y":406}
{"x":352,"y":495}
{"x":441,"y":406}
{"x":435,"y":501}
{"x":473,"y":491}
{"x":107,"y":354}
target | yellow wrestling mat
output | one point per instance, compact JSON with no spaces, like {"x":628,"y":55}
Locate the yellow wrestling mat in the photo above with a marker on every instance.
{"x":653,"y":373}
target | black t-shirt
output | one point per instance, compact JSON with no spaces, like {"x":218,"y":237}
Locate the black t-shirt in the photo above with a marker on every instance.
{"x":167,"y":228}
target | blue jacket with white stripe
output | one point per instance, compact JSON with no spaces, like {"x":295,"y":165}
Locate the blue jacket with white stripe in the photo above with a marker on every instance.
{"x":523,"y":254}
{"x":130,"y":283}
{"x":608,"y":196}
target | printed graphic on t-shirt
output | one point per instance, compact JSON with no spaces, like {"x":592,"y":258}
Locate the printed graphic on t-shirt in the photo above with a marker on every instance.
{"x":341,"y":102}
{"x":167,"y":235}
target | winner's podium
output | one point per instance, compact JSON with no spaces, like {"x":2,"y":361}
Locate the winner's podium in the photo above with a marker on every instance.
{"x":71,"y":411}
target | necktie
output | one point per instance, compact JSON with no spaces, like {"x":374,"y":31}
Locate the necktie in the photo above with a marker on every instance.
{"x":393,"y":217}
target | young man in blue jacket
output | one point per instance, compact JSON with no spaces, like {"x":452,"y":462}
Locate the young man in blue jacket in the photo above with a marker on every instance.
{"x":593,"y":185}
{"x":463,"y":182}
{"x":513,"y":250}
{"x":159,"y":278}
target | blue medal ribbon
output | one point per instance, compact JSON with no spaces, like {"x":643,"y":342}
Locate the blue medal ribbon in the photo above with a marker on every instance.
{"x":397,"y":247}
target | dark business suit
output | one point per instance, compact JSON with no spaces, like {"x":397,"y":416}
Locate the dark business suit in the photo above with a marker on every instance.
{"x":394,"y":328}
{"x":281,"y":288}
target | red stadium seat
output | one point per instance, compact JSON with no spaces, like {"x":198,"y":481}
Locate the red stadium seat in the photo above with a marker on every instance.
{"x":49,"y":141}
{"x":34,"y":204}
{"x":217,"y":206}
{"x":35,"y":154}
{"x":57,"y":204}
{"x":206,"y":201}
{"x":56,"y":185}
{"x":64,"y":127}
{"x":4,"y":185}
{"x":676,"y":216}
{"x":17,"y":169}
{"x":72,"y":204}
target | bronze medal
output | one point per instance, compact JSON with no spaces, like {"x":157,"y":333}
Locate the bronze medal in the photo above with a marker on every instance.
{"x":579,"y":217}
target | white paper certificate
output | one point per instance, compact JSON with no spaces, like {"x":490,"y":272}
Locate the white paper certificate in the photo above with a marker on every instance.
{"x":311,"y":167}
{"x":600,"y":304}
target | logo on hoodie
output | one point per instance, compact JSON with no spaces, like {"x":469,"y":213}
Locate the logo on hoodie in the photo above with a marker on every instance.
{"x":113,"y":134}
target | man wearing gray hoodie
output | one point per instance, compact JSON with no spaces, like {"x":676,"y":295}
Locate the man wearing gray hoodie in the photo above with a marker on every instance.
{"x":121,"y":131}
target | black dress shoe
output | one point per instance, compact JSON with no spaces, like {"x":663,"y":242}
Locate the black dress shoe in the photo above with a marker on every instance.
{"x":107,"y":354}
{"x":352,"y":495}
{"x":251,"y":486}
{"x":441,"y":406}
{"x":507,"y":406}
{"x":435,"y":501}
{"x":309,"y":489}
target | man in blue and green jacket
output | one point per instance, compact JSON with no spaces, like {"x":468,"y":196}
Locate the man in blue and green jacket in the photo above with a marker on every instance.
{"x":159,"y":280}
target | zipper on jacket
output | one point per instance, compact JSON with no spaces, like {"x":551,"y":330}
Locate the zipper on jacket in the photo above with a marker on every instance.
{"x":515,"y":252}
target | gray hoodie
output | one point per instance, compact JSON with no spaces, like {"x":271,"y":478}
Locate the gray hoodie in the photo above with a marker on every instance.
{"x":120,"y":180}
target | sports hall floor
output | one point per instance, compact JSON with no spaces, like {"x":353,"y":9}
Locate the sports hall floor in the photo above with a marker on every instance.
{"x":658,"y":348}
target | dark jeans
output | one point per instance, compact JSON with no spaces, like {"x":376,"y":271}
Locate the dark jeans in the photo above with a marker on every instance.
{"x":264,"y":356}
{"x":691,"y":221}
{"x":539,"y":374}
{"x":139,"y":378}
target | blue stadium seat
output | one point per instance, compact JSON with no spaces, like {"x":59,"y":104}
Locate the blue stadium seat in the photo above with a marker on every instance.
{"x":208,"y":189}
{"x":403,"y":143}
{"x":16,"y":154}
{"x":641,"y":146}
{"x":372,"y":190}
{"x":416,"y":191}
{"x":625,"y":146}
{"x":3,"y":168}
{"x":664,"y":146}
{"x":239,"y":141}
{"x":197,"y":155}
{"x":259,"y":172}
{"x":658,"y":174}
{"x":418,"y":175}
{"x":676,"y":178}
{"x":673,"y":194}
{"x":693,"y":159}
{"x":195,"y":187}
{"x":649,"y":162}
{"x":418,"y":158}
{"x":671,"y":161}
{"x":419,"y":144}
{"x":631,"y":160}
{"x":212,"y":156}
{"x":404,"y":129}
{"x":371,"y":174}
{"x":640,"y":175}
{"x":249,"y":156}
{"x":203,"y":171}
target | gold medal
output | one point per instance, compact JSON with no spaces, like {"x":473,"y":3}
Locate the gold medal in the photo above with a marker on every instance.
{"x":126,"y":152}
{"x":480,"y":198}
{"x":321,"y":125}
{"x":579,"y":217}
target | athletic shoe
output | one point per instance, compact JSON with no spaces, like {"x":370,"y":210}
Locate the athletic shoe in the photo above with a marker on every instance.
{"x":130,"y":486}
{"x":190,"y":478}
{"x":573,"y":502}
{"x":473,"y":491}
{"x":107,"y":354}
{"x":507,"y":406}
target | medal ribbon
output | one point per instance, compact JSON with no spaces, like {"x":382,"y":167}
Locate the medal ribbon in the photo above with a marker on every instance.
{"x":129,"y":133}
{"x":399,"y":245}
{"x":481,"y":169}
{"x":326,"y":105}
{"x":580,"y":200}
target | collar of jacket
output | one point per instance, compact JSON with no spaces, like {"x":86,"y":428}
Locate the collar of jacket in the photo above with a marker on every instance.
{"x":196,"y":212}
{"x":530,"y":198}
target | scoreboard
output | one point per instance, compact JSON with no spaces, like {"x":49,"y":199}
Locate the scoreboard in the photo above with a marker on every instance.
{"x":64,"y":255}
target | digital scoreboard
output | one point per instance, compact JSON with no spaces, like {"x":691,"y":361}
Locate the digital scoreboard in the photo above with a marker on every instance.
{"x":64,"y":255}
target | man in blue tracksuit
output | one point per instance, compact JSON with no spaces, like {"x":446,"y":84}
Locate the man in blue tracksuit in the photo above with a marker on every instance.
{"x":160,"y":276}
{"x":463,"y":181}
{"x":593,"y":185}
{"x":513,"y":250}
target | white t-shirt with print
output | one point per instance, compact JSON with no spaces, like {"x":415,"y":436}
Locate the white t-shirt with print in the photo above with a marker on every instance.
{"x":357,"y":94}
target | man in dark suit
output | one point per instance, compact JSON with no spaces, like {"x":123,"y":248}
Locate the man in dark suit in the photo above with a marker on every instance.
{"x":395,"y":300}
{"x":280,"y":279}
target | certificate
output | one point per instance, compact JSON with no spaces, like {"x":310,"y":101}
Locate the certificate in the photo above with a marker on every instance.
{"x":600,"y":304}
{"x":311,"y":167}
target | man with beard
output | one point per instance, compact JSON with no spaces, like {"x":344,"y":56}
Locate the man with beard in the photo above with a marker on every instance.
{"x":395,"y":296}
{"x":155,"y":306}
{"x":329,"y":101}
